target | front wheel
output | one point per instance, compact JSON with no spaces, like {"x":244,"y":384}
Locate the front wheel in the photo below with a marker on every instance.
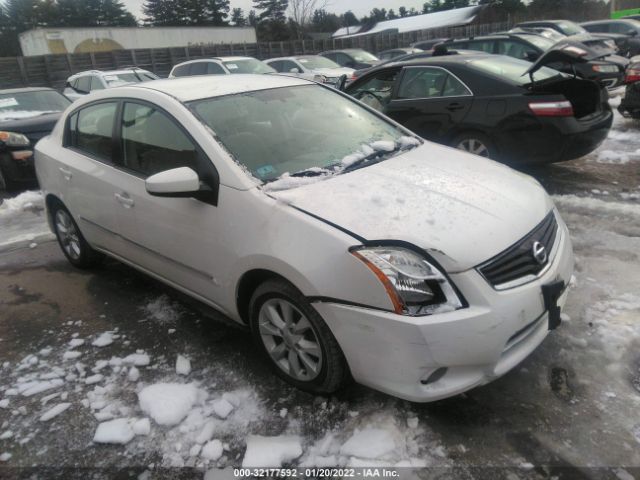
{"x":475,"y":143}
{"x":295,"y":339}
{"x":73,"y":244}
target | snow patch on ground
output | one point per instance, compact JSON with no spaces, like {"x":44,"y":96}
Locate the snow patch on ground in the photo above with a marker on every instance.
{"x":168,"y":403}
{"x":162,"y":310}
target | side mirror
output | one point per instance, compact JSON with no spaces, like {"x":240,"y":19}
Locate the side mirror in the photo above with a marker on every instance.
{"x":294,"y":70}
{"x":177,"y":182}
{"x":342,"y":82}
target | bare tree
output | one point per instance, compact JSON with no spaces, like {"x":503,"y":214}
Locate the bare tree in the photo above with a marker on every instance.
{"x":302,"y":12}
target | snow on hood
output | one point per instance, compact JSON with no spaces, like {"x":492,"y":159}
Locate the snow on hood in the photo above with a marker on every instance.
{"x":460,"y":207}
{"x":334,"y":72}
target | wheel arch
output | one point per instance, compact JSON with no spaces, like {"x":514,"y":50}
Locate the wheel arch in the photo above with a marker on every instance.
{"x":248,"y":284}
{"x":50,"y":200}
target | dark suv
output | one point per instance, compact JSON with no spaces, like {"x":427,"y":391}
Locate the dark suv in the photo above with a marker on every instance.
{"x":629,"y":28}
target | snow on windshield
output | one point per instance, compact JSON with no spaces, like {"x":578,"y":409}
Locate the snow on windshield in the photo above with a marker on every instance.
{"x":21,"y":114}
{"x":317,"y":174}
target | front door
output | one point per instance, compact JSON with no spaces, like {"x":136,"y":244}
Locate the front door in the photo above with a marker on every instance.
{"x":429,"y":101}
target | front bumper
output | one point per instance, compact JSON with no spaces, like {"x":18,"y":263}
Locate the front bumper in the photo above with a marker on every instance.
{"x":17,"y":170}
{"x":396,"y":354}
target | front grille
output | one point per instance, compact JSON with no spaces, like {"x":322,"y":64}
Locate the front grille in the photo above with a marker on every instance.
{"x":518,"y":261}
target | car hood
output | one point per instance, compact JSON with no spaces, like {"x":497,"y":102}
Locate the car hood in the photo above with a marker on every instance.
{"x":33,"y":126}
{"x":461,"y":208}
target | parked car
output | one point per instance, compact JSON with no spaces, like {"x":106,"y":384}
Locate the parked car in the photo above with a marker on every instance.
{"x":492,"y":105}
{"x":227,"y":191}
{"x":630,"y":104}
{"x":602,"y":66}
{"x":220,"y":66}
{"x":397,"y":52}
{"x":310,"y":67}
{"x":579,"y":33}
{"x":83,"y":83}
{"x":626,"y":27}
{"x":355,"y":58}
{"x":549,"y":33}
{"x":26,"y":115}
{"x":428,"y":44}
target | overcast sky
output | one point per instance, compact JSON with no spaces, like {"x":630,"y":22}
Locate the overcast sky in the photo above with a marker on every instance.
{"x":359,"y":7}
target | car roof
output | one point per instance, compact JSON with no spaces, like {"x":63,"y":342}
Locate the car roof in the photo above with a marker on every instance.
{"x":107,"y":72}
{"x":448,"y":59}
{"x":545,"y":21}
{"x":187,"y":89}
{"x":25,"y":90}
{"x":628,"y":21}
{"x":215,"y":59}
{"x":344,"y":50}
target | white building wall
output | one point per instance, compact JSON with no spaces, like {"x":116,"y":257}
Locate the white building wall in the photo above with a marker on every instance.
{"x":78,"y":40}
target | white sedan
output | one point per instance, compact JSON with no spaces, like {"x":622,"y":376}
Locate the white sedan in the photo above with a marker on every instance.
{"x":349,"y":247}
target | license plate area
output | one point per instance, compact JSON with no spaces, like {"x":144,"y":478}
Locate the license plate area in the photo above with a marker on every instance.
{"x":551,"y":293}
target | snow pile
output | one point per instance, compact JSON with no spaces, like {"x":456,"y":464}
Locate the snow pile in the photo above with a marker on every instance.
{"x":168,"y":403}
{"x":30,"y":200}
{"x":103,"y":340}
{"x":271,"y":451}
{"x":22,"y":220}
{"x":162,"y":310}
{"x":118,"y":431}
{"x":610,"y":156}
{"x":54,"y":412}
{"x":183,"y":365}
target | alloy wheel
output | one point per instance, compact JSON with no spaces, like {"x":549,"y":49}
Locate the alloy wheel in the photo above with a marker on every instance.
{"x":68,"y":234}
{"x":475,"y":146}
{"x":290,"y":339}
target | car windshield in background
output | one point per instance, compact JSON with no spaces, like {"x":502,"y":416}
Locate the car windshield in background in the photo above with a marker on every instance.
{"x":122,"y":78}
{"x":31,"y":104}
{"x":248,"y":65}
{"x":539,"y":41}
{"x":362,"y":56}
{"x":317,"y":62}
{"x":513,"y":69}
{"x":302,"y":130}
{"x":571,"y":28}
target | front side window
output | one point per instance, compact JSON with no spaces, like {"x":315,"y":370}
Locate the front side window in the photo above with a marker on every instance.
{"x":91,"y":130}
{"x":214,"y":69}
{"x":343,"y":59}
{"x":316,"y":61}
{"x":153,"y":143}
{"x":181,"y":71}
{"x":515,"y":49}
{"x":84,"y":84}
{"x":422,"y":83}
{"x":288,"y":65}
{"x":198,"y":68}
{"x":96,"y":83}
{"x":364,"y":56}
{"x":302,"y":130}
{"x":376,"y":91}
{"x":481,"y":46}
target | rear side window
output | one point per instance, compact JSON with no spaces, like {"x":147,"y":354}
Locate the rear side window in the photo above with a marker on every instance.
{"x":181,"y":71}
{"x":276,"y":65}
{"x":602,"y":27}
{"x":481,"y":46}
{"x":91,"y":130}
{"x":153,"y":143}
{"x":214,"y":69}
{"x":288,"y":65}
{"x":515,"y":49}
{"x":422,"y":83}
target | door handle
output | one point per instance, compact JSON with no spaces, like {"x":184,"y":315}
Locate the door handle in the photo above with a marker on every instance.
{"x":124,"y":199}
{"x":452,"y":107}
{"x":66,"y":173}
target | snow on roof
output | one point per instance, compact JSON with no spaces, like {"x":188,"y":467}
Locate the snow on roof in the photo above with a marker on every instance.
{"x":458,"y":16}
{"x":341,"y":32}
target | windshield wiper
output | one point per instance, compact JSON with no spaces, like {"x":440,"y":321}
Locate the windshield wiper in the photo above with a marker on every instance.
{"x":376,"y":157}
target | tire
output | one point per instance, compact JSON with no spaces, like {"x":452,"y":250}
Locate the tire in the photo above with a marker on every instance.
{"x":295,"y":346}
{"x":73,"y":244}
{"x":475,"y":143}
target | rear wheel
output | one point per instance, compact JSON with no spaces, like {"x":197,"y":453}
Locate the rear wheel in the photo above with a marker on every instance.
{"x":475,"y":143}
{"x":73,"y":244}
{"x":295,"y":339}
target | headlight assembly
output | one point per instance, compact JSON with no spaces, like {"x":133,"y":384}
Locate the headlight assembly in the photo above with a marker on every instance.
{"x":12,"y":139}
{"x":414,"y":285}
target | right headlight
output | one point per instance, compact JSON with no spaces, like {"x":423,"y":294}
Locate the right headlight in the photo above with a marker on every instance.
{"x":414,"y":285}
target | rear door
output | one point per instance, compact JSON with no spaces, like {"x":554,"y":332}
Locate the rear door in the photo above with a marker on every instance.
{"x":430,"y":101}
{"x":87,"y":173}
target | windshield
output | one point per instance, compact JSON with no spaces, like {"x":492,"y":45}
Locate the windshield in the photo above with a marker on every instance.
{"x":31,"y":104}
{"x":512,"y":69}
{"x":302,"y":129}
{"x":313,"y":63}
{"x":570,"y":28}
{"x":539,"y":41}
{"x":362,"y":56}
{"x":248,"y":65}
{"x":115,"y":79}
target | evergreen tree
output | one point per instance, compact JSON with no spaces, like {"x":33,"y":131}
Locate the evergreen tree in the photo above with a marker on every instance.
{"x":252,"y":18}
{"x":274,"y":10}
{"x":237,"y":17}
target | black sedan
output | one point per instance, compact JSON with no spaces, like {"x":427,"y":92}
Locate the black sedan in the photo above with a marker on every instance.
{"x":355,"y":58}
{"x":26,"y":115}
{"x":397,"y":52}
{"x":630,"y":105}
{"x":600,"y":66}
{"x":492,"y":105}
